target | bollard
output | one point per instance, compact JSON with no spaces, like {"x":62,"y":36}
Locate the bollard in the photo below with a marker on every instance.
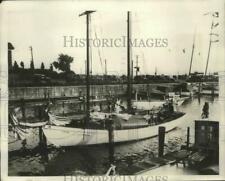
{"x":161,"y":132}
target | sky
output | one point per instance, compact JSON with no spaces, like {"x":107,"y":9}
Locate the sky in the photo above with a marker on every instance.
{"x":43,"y":26}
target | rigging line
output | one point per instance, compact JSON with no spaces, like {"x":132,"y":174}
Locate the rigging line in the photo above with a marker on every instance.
{"x":101,"y":31}
{"x":141,"y":51}
{"x":192,"y":54}
{"x":99,"y":53}
{"x":143,"y":59}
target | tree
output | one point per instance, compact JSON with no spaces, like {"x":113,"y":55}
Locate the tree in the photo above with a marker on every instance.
{"x":22,"y":64}
{"x":32,"y":65}
{"x":42,"y":66}
{"x":51,"y":67}
{"x":15,"y":66}
{"x":63,"y":62}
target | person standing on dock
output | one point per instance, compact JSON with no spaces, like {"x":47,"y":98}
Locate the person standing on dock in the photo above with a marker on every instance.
{"x":205,"y":110}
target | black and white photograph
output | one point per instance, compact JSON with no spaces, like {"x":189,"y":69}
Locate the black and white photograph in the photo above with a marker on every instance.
{"x":94,"y":89}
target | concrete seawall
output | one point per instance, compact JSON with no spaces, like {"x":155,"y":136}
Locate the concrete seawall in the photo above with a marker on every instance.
{"x":32,"y":93}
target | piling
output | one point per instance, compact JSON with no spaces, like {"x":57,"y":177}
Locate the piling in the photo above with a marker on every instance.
{"x":213,"y":91}
{"x":63,"y":107}
{"x":23,"y":109}
{"x":188,"y":137}
{"x":199,"y":89}
{"x":42,"y":140}
{"x":40,"y":135}
{"x":40,"y":112}
{"x":43,"y":145}
{"x":111,"y":140}
{"x":161,"y":133}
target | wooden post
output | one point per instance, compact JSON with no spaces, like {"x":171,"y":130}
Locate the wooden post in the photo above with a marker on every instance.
{"x":43,"y":144}
{"x":188,"y":137}
{"x":199,"y":89}
{"x":40,"y":135}
{"x":213,"y":91}
{"x":23,"y":109}
{"x":42,"y":139}
{"x":149,"y":92}
{"x":161,"y":132}
{"x":111,"y":141}
{"x":39,"y":108}
{"x":63,"y":107}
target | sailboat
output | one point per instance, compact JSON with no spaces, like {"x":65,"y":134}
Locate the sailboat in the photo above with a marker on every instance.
{"x":95,"y":132}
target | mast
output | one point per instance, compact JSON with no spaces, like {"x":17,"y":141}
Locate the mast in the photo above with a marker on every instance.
{"x":129,"y":89}
{"x":192,"y":53}
{"x":31,"y":51}
{"x":210,"y":43}
{"x":32,"y":57}
{"x":87,"y":13}
{"x":214,"y":15}
{"x":105,"y":67}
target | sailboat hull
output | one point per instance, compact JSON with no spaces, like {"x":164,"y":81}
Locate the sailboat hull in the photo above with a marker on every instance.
{"x":147,"y":105}
{"x":66,"y":136}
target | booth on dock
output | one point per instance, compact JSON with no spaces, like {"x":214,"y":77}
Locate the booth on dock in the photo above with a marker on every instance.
{"x":206,"y":143}
{"x":207,"y":135}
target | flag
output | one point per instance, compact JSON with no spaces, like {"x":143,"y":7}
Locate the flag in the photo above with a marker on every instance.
{"x":215,"y":14}
{"x":215,"y":34}
{"x":215,"y":25}
{"x":214,"y":41}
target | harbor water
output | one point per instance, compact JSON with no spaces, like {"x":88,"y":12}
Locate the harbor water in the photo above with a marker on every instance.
{"x":95,"y":160}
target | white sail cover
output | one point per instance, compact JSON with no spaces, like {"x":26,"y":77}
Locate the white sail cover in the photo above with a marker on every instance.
{"x":148,"y":105}
{"x":58,"y":120}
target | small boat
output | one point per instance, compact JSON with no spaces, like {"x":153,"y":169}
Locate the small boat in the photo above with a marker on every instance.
{"x":176,"y":99}
{"x":147,"y":105}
